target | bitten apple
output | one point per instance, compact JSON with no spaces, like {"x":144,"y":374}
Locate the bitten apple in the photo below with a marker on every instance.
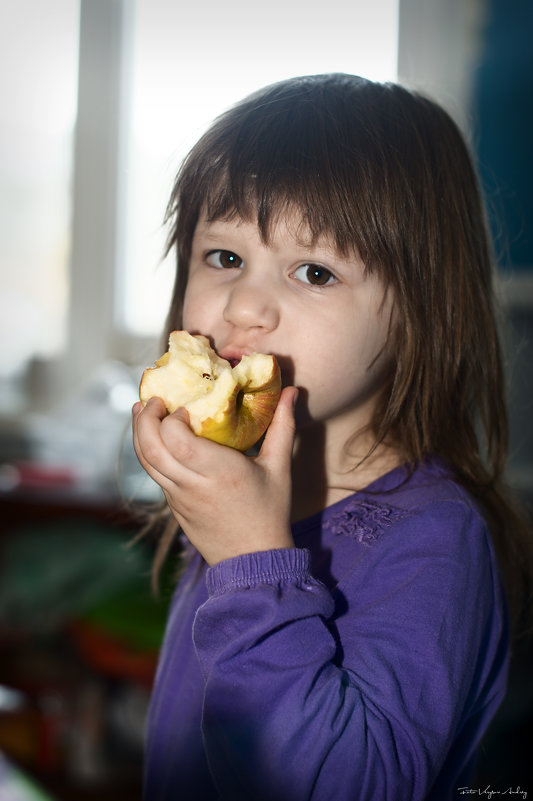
{"x":230,"y":405}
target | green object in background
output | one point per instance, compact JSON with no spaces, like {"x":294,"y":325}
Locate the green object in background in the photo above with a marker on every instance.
{"x":79,"y":569}
{"x":132,"y":615}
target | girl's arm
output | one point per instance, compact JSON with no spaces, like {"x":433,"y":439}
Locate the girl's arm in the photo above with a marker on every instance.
{"x":378,"y":692}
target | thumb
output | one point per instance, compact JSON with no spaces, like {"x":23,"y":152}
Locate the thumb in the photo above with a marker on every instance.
{"x":279,"y":438}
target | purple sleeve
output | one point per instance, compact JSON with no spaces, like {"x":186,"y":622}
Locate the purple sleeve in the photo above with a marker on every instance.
{"x":374,"y":691}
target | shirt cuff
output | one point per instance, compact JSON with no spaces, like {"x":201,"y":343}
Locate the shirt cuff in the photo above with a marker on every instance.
{"x":280,"y":566}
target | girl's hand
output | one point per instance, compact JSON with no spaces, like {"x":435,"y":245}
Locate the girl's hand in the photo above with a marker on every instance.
{"x":227,"y":503}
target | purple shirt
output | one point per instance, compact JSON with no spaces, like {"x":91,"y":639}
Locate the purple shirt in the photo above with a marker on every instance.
{"x":362,"y":665}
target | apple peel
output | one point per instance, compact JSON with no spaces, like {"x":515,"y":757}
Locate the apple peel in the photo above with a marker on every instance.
{"x":230,"y":405}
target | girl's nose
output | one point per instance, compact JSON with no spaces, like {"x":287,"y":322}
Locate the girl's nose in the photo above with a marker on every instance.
{"x":250,"y":305}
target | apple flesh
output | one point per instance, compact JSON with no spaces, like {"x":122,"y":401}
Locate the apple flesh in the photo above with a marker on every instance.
{"x":230,"y":405}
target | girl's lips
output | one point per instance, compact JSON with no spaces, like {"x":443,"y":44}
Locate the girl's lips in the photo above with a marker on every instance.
{"x":233,"y":356}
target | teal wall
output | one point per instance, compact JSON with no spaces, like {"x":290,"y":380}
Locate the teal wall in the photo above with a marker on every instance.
{"x":503,"y":127}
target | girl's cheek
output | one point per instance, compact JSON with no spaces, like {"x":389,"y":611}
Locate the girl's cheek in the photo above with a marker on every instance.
{"x":191,"y":312}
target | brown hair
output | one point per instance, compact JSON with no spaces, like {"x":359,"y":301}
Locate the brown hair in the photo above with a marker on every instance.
{"x":385,"y":172}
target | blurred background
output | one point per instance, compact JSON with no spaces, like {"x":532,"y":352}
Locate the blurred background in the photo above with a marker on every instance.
{"x":100,"y":100}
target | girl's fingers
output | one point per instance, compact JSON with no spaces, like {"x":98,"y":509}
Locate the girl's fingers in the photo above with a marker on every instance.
{"x":152,"y":451}
{"x":167,"y":444}
{"x":173,"y":455}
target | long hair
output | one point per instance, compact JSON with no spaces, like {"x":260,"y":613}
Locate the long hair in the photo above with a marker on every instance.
{"x":386,"y":173}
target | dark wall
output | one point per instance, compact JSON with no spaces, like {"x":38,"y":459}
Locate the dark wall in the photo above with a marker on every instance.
{"x":503,"y":139}
{"x":503,"y":119}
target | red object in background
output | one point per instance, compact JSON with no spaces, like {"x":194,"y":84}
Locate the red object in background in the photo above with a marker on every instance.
{"x":53,"y":728}
{"x":34,"y":475}
{"x":34,"y":732}
{"x":112,"y":657}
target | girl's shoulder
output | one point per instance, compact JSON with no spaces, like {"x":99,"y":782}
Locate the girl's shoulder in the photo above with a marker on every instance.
{"x":414,"y":534}
{"x":420,"y":510}
{"x":403,"y":493}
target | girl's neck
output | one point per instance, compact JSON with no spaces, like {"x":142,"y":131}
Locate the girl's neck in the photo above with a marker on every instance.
{"x":325,"y":472}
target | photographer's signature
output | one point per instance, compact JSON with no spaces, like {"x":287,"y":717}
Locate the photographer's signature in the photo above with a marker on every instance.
{"x":489,"y":792}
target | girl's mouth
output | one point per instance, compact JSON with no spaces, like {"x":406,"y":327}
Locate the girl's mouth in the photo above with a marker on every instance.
{"x":232,"y":355}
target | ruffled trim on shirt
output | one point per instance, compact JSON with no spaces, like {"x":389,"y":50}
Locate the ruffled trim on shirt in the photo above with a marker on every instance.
{"x":363,"y":520}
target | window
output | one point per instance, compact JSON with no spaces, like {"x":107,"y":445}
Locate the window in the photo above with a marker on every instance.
{"x":38,"y":72}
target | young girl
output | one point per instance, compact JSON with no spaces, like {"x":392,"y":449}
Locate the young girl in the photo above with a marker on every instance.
{"x":340,"y":631}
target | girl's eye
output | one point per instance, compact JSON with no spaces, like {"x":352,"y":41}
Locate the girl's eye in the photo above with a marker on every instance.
{"x":314,"y":274}
{"x":223,"y":259}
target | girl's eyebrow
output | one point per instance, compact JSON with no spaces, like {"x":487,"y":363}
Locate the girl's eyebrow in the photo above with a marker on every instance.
{"x":206,"y":232}
{"x":213,"y":231}
{"x":321,"y":250}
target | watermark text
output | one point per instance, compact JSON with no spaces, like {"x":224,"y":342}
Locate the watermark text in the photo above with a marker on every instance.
{"x":490,"y":792}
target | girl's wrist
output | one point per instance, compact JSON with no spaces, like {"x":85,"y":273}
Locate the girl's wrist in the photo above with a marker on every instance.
{"x":214,"y":554}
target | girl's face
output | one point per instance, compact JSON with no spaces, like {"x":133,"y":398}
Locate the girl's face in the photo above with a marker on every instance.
{"x":324,"y":318}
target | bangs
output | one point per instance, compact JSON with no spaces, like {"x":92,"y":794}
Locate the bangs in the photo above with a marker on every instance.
{"x":296,"y":155}
{"x":278,"y":180}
